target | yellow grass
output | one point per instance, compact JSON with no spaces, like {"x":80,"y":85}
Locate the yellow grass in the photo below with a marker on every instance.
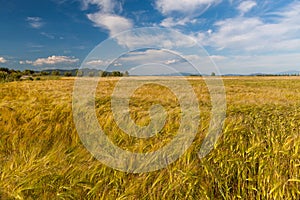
{"x":257,"y":156}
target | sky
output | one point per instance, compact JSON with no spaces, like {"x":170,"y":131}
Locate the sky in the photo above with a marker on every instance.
{"x":238,"y":36}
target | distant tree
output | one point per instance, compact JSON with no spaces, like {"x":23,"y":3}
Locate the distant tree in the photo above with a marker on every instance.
{"x":28,"y":72}
{"x":30,"y":78}
{"x":100,"y":73}
{"x":126,"y":73}
{"x":79,"y":73}
{"x":7,"y":75}
{"x":68,"y":74}
{"x":5,"y":70}
{"x":55,"y":73}
{"x":213,"y":74}
{"x":104,"y":74}
{"x":43,"y":73}
{"x":116,"y":73}
{"x":3,"y":76}
{"x":91,"y":74}
{"x":15,"y":76}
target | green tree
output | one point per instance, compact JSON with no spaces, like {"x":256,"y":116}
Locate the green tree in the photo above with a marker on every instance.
{"x":79,"y":73}
{"x":3,"y":76}
{"x":116,"y":73}
{"x":28,"y":72}
{"x":105,"y":73}
{"x":68,"y":74}
{"x":15,"y":76}
{"x":5,"y":70}
{"x":55,"y":73}
{"x":43,"y":73}
{"x":100,"y":73}
{"x":91,"y":74}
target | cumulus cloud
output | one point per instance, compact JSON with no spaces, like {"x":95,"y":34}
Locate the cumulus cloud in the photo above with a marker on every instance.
{"x":3,"y":60}
{"x":246,"y":6}
{"x":51,"y":60}
{"x":35,"y":22}
{"x":106,"y":16}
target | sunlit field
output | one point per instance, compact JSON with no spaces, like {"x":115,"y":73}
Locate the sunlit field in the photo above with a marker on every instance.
{"x":256,"y":157}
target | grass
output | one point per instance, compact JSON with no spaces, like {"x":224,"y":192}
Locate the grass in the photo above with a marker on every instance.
{"x":257,"y":156}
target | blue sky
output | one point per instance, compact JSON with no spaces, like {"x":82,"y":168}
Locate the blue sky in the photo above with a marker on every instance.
{"x":240,"y":36}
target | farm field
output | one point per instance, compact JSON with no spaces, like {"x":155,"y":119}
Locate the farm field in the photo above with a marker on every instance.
{"x":256,"y":157}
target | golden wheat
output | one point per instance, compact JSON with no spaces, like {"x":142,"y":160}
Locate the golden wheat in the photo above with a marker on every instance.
{"x":257,"y":156}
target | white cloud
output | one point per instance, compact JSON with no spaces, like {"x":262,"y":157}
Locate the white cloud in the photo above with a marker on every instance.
{"x":154,"y":38}
{"x":187,"y":7}
{"x":48,"y":35}
{"x":171,"y":22}
{"x":217,"y":57}
{"x":25,"y":62}
{"x":114,"y":23}
{"x":3,"y":60}
{"x":97,"y":63}
{"x":246,"y":6}
{"x":161,"y":61}
{"x":147,"y":56}
{"x":51,"y":60}
{"x":170,"y":62}
{"x":117,"y":64}
{"x":258,"y":63}
{"x":253,"y":34}
{"x":105,"y":6}
{"x":106,"y":18}
{"x":35,"y":22}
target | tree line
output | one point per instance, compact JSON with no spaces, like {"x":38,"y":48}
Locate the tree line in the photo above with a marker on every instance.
{"x":8,"y":75}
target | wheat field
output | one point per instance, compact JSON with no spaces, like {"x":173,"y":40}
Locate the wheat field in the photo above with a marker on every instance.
{"x":256,"y":157}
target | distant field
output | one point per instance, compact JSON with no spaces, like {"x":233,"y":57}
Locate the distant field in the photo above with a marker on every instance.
{"x":257,"y":156}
